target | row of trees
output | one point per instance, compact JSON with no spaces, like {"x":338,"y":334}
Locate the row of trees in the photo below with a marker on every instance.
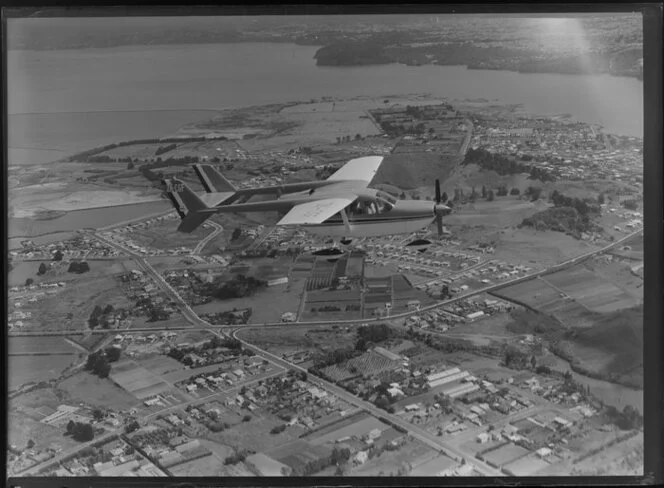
{"x":372,"y":333}
{"x":99,"y":362}
{"x":85,"y":155}
{"x":504,"y":165}
{"x":342,"y":139}
{"x":78,"y":267}
{"x":81,"y":431}
{"x":238,"y":287}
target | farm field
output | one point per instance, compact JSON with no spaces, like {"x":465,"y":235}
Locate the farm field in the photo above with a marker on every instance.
{"x":86,"y":387}
{"x":53,"y":345}
{"x":283,"y":340}
{"x":590,"y":290}
{"x":535,"y":293}
{"x":25,"y":369}
{"x":137,"y":380}
{"x":88,"y":341}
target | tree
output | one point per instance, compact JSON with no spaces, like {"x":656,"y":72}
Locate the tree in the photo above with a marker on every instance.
{"x":490,"y":196}
{"x":535,"y":193}
{"x":57,"y":256}
{"x":31,"y":444}
{"x":358,"y":137}
{"x":600,"y":198}
{"x":97,"y":414}
{"x":102,"y":368}
{"x":515,"y":191}
{"x":443,"y":197}
{"x":112,"y":354}
{"x":85,"y":432}
{"x":71,"y":427}
{"x":29,"y":282}
{"x":130,"y":165}
{"x":246,"y":418}
{"x":483,"y":191}
{"x":533,"y":362}
{"x":402,"y":196}
{"x":41,"y":270}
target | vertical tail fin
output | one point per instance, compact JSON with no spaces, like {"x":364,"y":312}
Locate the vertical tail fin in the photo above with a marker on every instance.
{"x":189,"y":206}
{"x":212,"y":180}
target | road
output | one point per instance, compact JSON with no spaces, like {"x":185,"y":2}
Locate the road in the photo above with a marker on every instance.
{"x":201,"y":245}
{"x":416,"y":432}
{"x":420,"y":434}
{"x":32,"y":471}
{"x":192,"y":318}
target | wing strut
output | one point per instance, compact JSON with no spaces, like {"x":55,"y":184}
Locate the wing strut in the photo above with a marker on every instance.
{"x":345,"y":219}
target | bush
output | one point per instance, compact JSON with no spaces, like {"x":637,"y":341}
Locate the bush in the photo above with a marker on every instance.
{"x":278,"y":429}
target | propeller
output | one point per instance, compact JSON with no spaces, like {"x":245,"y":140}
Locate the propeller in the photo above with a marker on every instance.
{"x":440,"y":209}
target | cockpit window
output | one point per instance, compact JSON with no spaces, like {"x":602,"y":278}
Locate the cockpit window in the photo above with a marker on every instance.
{"x":387,"y":197}
{"x":384,"y":205}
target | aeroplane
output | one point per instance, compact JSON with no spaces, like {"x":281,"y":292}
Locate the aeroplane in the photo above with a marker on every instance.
{"x":341,"y":206}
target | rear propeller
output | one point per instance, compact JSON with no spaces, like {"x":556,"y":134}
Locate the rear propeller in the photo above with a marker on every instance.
{"x":440,"y":209}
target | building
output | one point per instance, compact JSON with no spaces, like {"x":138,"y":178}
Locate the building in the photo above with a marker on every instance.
{"x":278,"y":281}
{"x":448,"y":379}
{"x":412,"y":407}
{"x":544,"y":452}
{"x":475,"y":315}
{"x":483,"y":438}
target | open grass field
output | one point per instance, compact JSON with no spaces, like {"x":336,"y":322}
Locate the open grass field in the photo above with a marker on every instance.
{"x":622,"y":459}
{"x":433,"y":466}
{"x":535,"y":293}
{"x":413,"y":453}
{"x":282,"y":340}
{"x":26,"y":345}
{"x":526,"y":245}
{"x":33,"y":369}
{"x":86,"y":387}
{"x":160,"y":364}
{"x":268,"y":304}
{"x":164,"y":235}
{"x":78,"y":298}
{"x":526,"y":466}
{"x":504,"y":455}
{"x":255,"y":433}
{"x":21,"y":429}
{"x":501,"y":213}
{"x":206,"y":466}
{"x":137,"y":380}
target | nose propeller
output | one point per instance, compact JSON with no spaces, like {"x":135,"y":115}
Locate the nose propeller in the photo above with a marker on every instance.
{"x":440,"y":209}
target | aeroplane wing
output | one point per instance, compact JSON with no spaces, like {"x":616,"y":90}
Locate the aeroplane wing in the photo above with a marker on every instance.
{"x":358,"y":169}
{"x":315,"y":212}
